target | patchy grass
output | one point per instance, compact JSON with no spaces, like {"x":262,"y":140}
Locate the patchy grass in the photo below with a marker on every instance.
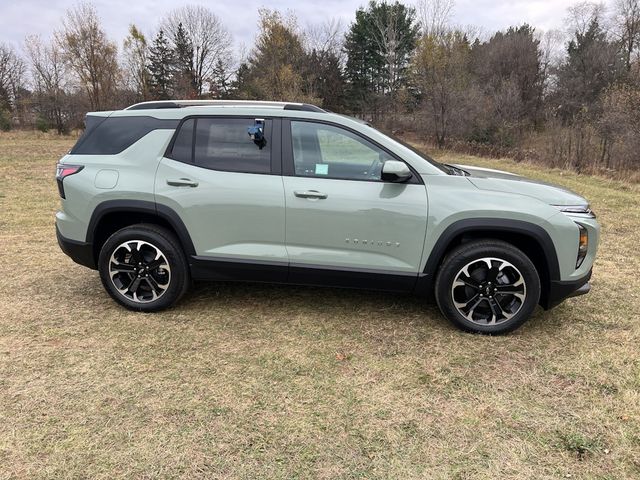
{"x":258,"y":381}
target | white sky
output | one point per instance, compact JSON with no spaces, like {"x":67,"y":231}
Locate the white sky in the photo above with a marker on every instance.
{"x":19,"y":18}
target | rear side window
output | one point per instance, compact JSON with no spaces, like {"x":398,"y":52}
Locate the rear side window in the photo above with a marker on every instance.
{"x":115,"y":134}
{"x":182,"y":149}
{"x":224,"y":144}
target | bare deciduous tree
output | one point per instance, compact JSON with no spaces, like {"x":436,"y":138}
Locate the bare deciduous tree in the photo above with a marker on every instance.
{"x":325,"y":37}
{"x":434,"y":16}
{"x":209,"y":37}
{"x":90,"y":54}
{"x":581,"y":15}
{"x":627,"y":27}
{"x":49,"y":73}
{"x":12,"y":71}
{"x":136,"y":57}
{"x":441,"y":70}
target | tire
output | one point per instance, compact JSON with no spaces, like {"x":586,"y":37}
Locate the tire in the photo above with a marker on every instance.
{"x":487,"y":286}
{"x":144,"y":268}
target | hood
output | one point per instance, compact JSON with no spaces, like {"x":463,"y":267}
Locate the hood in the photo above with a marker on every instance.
{"x":499,"y":181}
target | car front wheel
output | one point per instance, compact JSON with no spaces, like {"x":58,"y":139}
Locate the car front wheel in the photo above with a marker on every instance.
{"x":487,"y":286}
{"x":143,"y":268}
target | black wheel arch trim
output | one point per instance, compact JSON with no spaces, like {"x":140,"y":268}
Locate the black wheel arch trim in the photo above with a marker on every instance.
{"x":141,"y":206}
{"x":502,"y":225}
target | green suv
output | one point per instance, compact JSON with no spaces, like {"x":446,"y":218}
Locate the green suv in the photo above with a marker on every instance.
{"x":163,"y":193}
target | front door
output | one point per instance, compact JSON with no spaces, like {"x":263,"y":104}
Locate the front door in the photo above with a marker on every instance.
{"x":344,"y":225}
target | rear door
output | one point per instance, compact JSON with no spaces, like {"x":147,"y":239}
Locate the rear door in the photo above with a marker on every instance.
{"x":344,"y":225}
{"x":228,"y":191}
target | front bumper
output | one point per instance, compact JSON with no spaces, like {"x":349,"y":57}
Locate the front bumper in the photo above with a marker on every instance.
{"x":79,"y":252}
{"x":559,"y":290}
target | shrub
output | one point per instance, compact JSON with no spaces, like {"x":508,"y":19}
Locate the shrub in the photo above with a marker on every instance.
{"x":5,"y":121}
{"x":42,"y":124}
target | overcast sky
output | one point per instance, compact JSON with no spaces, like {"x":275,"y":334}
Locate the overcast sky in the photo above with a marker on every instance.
{"x":21,"y":17}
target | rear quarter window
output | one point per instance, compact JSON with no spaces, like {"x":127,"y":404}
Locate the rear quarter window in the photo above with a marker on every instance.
{"x":112,"y":135}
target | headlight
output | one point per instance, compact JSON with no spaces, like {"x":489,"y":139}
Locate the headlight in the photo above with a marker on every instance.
{"x":576,"y":210}
{"x":583,"y":245}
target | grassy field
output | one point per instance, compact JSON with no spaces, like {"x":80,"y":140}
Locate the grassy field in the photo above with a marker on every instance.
{"x":254,"y":381}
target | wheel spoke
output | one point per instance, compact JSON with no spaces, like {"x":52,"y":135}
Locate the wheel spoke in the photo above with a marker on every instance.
{"x":155,"y":286}
{"x":496,"y":309}
{"x":161,"y":262}
{"x":135,"y":252}
{"x":134,"y":285}
{"x":466,"y":281}
{"x":492,"y":274}
{"x":122,"y":267}
{"x":468,"y":307}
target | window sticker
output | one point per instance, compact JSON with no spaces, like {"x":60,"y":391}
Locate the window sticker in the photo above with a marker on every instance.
{"x":322,"y":169}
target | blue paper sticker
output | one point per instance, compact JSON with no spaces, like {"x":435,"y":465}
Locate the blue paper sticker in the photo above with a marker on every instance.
{"x":322,"y":169}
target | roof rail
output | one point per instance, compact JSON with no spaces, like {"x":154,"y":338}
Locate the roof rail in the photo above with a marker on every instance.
{"x":304,"y":107}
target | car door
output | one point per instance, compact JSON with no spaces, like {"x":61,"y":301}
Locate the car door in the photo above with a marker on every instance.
{"x":227,"y":189}
{"x":344,"y":225}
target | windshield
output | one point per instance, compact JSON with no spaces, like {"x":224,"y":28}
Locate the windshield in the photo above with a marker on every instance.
{"x":441,"y":166}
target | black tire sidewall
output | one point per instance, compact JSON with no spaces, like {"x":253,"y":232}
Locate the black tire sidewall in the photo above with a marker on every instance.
{"x":471,"y":251}
{"x":170,"y":247}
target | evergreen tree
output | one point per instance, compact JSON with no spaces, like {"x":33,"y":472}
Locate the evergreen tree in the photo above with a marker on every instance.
{"x":184,"y":74}
{"x":326,"y":78}
{"x":379,"y":45}
{"x":220,"y":84}
{"x":593,"y":63}
{"x":161,"y":68}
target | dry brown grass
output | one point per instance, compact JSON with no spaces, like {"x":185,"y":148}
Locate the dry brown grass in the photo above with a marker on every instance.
{"x":254,"y":381}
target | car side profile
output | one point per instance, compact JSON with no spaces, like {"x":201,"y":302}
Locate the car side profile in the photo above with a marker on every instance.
{"x":163,"y":193}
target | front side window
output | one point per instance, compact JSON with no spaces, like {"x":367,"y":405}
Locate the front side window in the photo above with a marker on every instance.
{"x":224,"y":144}
{"x":321,"y":150}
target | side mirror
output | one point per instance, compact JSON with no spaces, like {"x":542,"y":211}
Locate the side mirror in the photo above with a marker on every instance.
{"x":395,"y":171}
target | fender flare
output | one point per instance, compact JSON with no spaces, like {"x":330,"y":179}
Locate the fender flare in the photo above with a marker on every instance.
{"x":140,"y":206}
{"x":488,"y":225}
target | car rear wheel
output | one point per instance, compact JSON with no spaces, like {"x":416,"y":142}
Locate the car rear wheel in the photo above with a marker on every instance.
{"x":144,"y":268}
{"x":487,"y":286}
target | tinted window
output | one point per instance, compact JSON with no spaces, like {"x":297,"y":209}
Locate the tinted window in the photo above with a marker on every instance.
{"x":115,"y":134}
{"x":224,"y":144}
{"x":182,"y":146}
{"x":326,"y":151}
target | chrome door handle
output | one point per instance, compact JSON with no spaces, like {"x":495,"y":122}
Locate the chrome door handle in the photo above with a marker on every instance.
{"x":310,"y":194}
{"x":182,"y":182}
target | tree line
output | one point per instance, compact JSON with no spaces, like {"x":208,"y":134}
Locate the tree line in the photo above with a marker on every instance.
{"x":566,"y":99}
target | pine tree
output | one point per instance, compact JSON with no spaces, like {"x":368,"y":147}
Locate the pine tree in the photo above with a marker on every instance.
{"x":161,"y":68}
{"x":185,"y":80}
{"x":220,"y":85}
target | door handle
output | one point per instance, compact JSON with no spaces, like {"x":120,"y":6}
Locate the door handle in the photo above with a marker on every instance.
{"x":182,"y":182}
{"x":310,"y":194}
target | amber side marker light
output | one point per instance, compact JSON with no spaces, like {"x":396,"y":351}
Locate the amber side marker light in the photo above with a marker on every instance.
{"x":583,"y":245}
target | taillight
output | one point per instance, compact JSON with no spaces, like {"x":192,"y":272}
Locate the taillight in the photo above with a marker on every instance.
{"x":62,"y":172}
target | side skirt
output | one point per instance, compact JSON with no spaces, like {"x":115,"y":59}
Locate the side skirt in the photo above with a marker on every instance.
{"x":216,"y":269}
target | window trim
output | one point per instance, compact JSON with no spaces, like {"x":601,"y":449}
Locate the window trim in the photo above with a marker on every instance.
{"x":288,"y":164}
{"x":275,"y":141}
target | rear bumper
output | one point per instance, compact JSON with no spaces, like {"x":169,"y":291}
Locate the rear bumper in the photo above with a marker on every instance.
{"x":559,"y":291}
{"x":79,"y":252}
